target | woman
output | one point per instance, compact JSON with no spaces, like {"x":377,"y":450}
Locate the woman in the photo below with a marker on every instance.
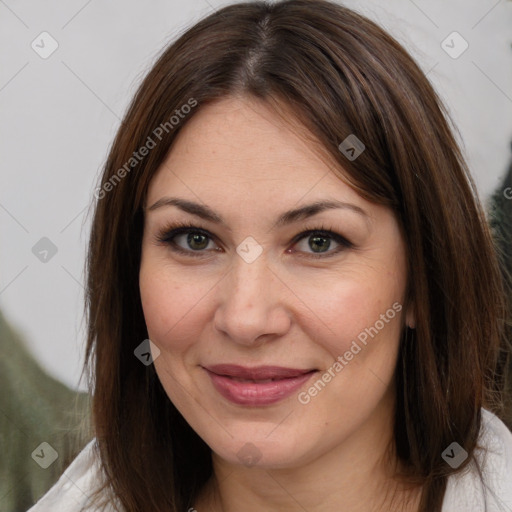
{"x":286,"y":215}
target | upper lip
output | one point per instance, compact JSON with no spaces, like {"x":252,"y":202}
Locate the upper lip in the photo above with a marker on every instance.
{"x":257,"y":372}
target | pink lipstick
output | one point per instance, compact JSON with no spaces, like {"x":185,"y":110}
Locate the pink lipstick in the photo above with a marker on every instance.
{"x":262,"y":385}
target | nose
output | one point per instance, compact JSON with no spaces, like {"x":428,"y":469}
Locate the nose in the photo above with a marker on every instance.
{"x":251,"y":303}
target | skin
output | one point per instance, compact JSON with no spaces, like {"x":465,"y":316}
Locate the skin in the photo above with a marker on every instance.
{"x":286,"y":308}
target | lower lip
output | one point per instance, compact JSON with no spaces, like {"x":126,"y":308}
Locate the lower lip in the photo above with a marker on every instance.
{"x":254,"y":393}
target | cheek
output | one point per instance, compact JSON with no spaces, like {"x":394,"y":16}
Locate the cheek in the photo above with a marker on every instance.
{"x":172,"y":309}
{"x":349,"y":309}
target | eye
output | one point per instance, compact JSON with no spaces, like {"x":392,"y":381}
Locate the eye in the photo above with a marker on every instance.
{"x":194,"y":241}
{"x":320,"y":240}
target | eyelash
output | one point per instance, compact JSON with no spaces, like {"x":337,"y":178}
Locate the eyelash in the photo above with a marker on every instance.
{"x":166,"y":236}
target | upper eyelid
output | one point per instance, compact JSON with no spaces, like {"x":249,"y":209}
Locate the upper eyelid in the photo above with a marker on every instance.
{"x":194,"y":227}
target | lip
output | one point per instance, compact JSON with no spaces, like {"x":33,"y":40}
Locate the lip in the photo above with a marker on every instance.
{"x":251,"y":386}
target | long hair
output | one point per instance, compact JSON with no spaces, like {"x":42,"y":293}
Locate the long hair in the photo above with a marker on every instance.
{"x":340,"y":74}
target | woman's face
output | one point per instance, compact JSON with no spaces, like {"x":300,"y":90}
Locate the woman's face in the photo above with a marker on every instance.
{"x":249,"y":287}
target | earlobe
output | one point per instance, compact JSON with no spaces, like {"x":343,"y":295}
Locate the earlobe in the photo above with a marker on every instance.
{"x":410,"y":317}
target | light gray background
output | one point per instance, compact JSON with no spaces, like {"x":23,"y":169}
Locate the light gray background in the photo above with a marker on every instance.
{"x":59,"y":116}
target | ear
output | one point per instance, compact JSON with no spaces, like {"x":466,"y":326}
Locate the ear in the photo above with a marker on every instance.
{"x":410,"y":317}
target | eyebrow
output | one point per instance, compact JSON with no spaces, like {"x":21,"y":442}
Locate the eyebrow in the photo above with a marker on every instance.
{"x":289,"y":217}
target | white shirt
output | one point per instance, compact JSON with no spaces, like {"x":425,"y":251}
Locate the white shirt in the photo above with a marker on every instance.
{"x":464,"y":492}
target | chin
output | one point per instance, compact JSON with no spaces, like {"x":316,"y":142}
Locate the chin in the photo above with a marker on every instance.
{"x":254,"y":447}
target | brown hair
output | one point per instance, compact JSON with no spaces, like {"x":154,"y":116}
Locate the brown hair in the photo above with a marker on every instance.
{"x":340,"y":74}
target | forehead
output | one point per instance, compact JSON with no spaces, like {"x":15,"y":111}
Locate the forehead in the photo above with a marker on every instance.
{"x":240,"y":149}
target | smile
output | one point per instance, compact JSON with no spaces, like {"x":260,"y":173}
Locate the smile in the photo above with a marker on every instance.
{"x":256,"y":386}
